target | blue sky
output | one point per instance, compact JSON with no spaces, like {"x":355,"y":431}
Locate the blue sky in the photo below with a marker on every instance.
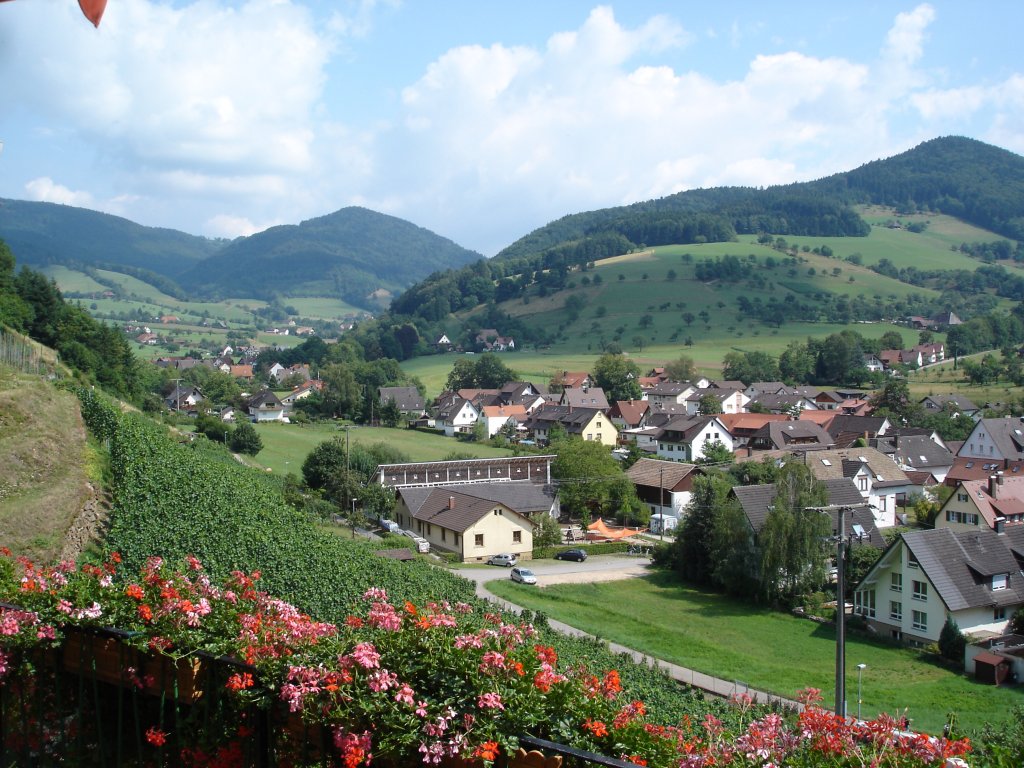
{"x":478,"y":120}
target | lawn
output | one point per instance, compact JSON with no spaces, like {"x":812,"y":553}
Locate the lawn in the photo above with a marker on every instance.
{"x":285,"y":446}
{"x":764,"y":649}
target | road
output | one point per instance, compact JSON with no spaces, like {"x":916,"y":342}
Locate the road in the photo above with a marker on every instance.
{"x":594,"y":568}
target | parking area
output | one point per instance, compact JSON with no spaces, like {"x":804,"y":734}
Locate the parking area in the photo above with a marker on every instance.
{"x":549,"y":572}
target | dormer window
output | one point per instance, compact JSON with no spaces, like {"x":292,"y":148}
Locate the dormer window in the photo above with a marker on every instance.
{"x":999,"y":581}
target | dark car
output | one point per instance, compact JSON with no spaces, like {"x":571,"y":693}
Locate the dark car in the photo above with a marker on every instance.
{"x":579,"y":555}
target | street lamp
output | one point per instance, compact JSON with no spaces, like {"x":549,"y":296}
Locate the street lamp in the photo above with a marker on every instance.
{"x":860,"y":672}
{"x":352,"y":519}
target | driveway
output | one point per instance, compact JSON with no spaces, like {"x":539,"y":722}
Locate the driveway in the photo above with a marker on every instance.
{"x":595,"y":568}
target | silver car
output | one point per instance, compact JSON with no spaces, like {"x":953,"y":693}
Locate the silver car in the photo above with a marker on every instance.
{"x":503,"y":559}
{"x":523,"y":576}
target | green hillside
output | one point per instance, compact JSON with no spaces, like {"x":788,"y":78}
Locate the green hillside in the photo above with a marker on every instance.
{"x":355,"y":253}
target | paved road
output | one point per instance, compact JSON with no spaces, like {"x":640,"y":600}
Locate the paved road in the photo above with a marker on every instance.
{"x":603,"y":568}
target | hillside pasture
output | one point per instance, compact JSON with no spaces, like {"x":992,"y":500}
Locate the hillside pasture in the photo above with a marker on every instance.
{"x":71,"y":280}
{"x":285,"y":446}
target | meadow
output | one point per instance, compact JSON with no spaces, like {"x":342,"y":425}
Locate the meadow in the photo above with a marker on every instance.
{"x":285,"y":446}
{"x":765,"y":649}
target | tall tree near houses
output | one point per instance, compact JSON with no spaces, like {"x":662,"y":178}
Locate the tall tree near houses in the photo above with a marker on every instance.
{"x":793,"y":541}
{"x":733,"y":554}
{"x":693,"y":552}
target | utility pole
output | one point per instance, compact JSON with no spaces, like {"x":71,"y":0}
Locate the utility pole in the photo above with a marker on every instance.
{"x":661,"y":499}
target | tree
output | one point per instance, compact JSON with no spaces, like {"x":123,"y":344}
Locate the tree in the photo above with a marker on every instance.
{"x":245,"y":439}
{"x":733,"y":556}
{"x":591,"y":482}
{"x":324,"y":461}
{"x":891,"y":340}
{"x":390,"y":415}
{"x":547,"y":532}
{"x":487,"y":371}
{"x":750,"y":366}
{"x":692,"y":554}
{"x":709,"y":405}
{"x":952,"y":641}
{"x":796,"y":363}
{"x":893,"y":400}
{"x":681,"y":369}
{"x":618,"y":376}
{"x":716,"y":453}
{"x":792,"y":542}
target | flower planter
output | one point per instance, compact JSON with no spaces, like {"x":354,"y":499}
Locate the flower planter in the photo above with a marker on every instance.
{"x":110,"y":660}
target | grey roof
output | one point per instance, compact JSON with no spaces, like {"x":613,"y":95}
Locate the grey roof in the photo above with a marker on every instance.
{"x":938,"y":402}
{"x":756,"y":501}
{"x":768,"y":387}
{"x":573,"y":419}
{"x":846,"y":429}
{"x":779,"y":403}
{"x":960,"y":565}
{"x":683,"y":427}
{"x":406,"y":398}
{"x":459,"y":507}
{"x":669,"y":388}
{"x":784,"y":434}
{"x":917,"y":451}
{"x":1006,"y":433}
{"x":659,"y":474}
{"x":264,"y":399}
{"x":585,"y":397}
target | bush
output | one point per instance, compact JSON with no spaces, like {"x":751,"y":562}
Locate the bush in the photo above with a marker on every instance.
{"x":245,"y":439}
{"x":952,"y":641}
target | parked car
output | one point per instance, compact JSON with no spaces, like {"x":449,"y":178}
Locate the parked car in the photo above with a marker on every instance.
{"x":523,"y":576}
{"x":422,"y":545}
{"x":578,"y":555}
{"x":390,"y":525}
{"x":503,"y":559}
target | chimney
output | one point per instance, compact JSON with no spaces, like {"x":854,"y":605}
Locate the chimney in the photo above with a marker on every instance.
{"x":1000,"y":522}
{"x":993,"y":489}
{"x":451,"y":502}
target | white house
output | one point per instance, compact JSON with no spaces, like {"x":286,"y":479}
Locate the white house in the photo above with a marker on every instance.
{"x":684,"y":438}
{"x":265,"y":407}
{"x":880,"y":482}
{"x":925,"y":576}
{"x":995,"y":440}
{"x":459,"y":415}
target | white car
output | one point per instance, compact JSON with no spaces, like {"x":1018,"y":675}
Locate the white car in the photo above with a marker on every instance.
{"x":523,"y":576}
{"x":503,"y":559}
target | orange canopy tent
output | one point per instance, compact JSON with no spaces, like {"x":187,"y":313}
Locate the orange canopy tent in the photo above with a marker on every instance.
{"x":93,"y":9}
{"x":603,"y":531}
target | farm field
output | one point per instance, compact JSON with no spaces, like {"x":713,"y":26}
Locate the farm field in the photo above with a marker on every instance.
{"x":721,"y":637}
{"x":285,"y":446}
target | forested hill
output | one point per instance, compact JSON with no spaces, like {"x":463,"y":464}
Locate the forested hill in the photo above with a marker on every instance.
{"x":962,"y":177}
{"x":350,"y":253}
{"x":47,"y":233}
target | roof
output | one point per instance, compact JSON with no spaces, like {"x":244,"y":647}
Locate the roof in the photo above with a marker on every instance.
{"x":669,"y":388}
{"x":630,"y":411}
{"x":573,"y":419}
{"x":660,"y":474}
{"x":846,"y":429}
{"x":938,"y":402}
{"x":508,"y":411}
{"x":461,"y":506}
{"x":845,"y":462}
{"x":264,"y":399}
{"x":745,"y":423}
{"x":969,"y":468}
{"x":960,"y":565}
{"x":685,"y":427}
{"x":1009,"y":498}
{"x":1007,"y":434}
{"x":756,"y":501}
{"x":917,"y":451}
{"x":406,"y":398}
{"x":585,"y":397}
{"x":785,"y":434}
{"x":534,"y":468}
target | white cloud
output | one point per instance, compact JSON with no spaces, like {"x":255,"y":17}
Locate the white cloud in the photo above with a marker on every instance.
{"x":231,"y":227}
{"x":44,"y":190}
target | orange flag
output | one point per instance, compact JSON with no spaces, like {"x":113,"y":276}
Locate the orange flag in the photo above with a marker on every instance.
{"x":93,"y":10}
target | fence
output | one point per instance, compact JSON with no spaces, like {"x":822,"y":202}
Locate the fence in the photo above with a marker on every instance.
{"x":25,"y":355}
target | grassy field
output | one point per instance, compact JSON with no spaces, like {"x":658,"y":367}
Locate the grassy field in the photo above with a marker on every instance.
{"x":44,"y":465}
{"x":764,"y":649}
{"x":285,"y":446}
{"x":944,"y":379}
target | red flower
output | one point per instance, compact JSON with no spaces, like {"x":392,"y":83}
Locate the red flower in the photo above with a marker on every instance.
{"x":156,"y":737}
{"x":487,"y":751}
{"x":145,"y":612}
{"x":596,"y":727}
{"x":134,"y":591}
{"x":238,"y":682}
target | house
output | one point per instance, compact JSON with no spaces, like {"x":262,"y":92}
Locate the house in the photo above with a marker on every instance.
{"x":966,"y":468}
{"x":497,"y":416}
{"x":277,"y":371}
{"x":584,"y":397}
{"x":995,"y":440}
{"x":951,"y":402}
{"x":916,"y":453}
{"x":669,"y":393}
{"x":490,"y":340}
{"x":301,"y":392}
{"x":265,"y":406}
{"x":629,"y":414}
{"x":990,"y":503}
{"x":757,"y":501}
{"x":521,"y":393}
{"x":243,"y":372}
{"x":786,"y":403}
{"x":408,"y":399}
{"x":757,"y":388}
{"x":944,"y":320}
{"x":924,"y":576}
{"x":147,"y":338}
{"x":930,"y":353}
{"x":472,"y":527}
{"x":443,"y":343}
{"x":571,"y":379}
{"x":873,"y":364}
{"x":586,"y":423}
{"x":790,"y":435}
{"x":536,"y":469}
{"x":169,"y":319}
{"x":457,"y":415}
{"x":664,"y":486}
{"x":729,"y":400}
{"x":684,"y":438}
{"x":845,"y":430}
{"x":742,"y":425}
{"x":184,"y":397}
{"x":891,"y":358}
{"x":881,"y":483}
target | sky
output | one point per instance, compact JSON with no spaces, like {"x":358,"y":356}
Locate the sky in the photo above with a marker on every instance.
{"x":479,"y":121}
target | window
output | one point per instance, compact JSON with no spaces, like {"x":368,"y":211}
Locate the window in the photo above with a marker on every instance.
{"x":999,"y":614}
{"x":896,"y":582}
{"x":895,"y":610}
{"x":920,"y":590}
{"x":428,"y":529}
{"x":456,"y":537}
{"x":442,"y":534}
{"x":912,"y":561}
{"x":478,"y":540}
{"x":961,"y":497}
{"x":517,"y":537}
{"x":920,"y":620}
{"x":999,"y":581}
{"x":864,"y":603}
